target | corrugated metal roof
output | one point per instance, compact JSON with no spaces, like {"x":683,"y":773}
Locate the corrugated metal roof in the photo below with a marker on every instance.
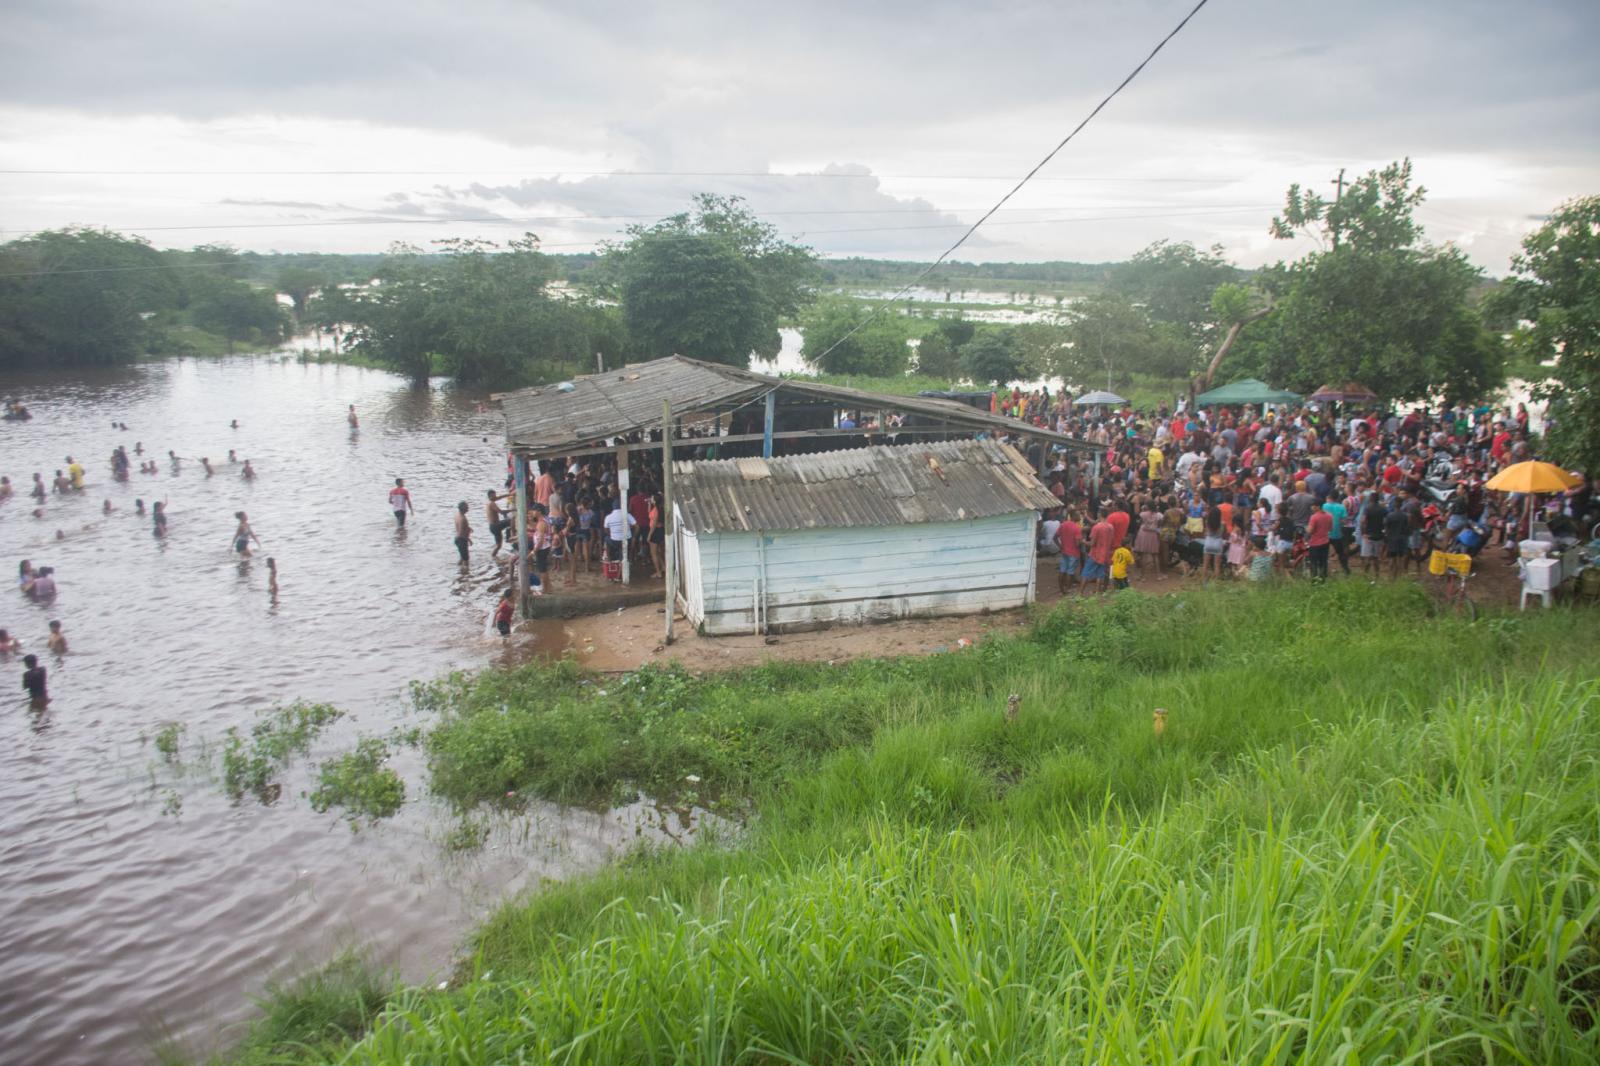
{"x":618,"y":402}
{"x":893,"y":485}
{"x":547,"y":418}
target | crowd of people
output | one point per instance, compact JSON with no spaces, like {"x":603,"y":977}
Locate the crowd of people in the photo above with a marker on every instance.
{"x":38,"y":583}
{"x":1249,"y":492}
{"x":578,"y":519}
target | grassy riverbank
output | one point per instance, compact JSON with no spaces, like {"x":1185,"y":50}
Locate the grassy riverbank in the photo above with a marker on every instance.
{"x":1367,"y":832}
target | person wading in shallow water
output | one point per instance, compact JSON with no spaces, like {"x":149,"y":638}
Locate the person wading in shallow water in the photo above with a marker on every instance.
{"x":355,"y":423}
{"x":463,"y":530}
{"x":243,"y":535}
{"x":498,"y":522}
{"x":34,"y":677}
{"x":400,"y":501}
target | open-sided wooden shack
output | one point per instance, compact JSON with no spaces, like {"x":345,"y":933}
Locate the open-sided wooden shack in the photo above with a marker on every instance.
{"x":716,"y":412}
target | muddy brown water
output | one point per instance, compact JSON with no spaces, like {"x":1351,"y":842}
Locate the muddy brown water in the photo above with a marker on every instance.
{"x":137,"y":902}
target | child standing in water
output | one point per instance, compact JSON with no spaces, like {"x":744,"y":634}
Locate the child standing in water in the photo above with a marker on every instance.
{"x":243,"y":535}
{"x":272,"y":579}
{"x":503,"y":613}
{"x":58,"y":640}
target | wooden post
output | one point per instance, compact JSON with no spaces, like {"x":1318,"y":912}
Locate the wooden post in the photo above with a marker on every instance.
{"x":666,"y":514}
{"x":766,"y":431}
{"x":622,"y":495}
{"x":520,"y":466}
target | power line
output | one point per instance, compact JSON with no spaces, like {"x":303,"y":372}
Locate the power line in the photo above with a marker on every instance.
{"x":609,"y":174}
{"x":530,"y":219}
{"x":812,"y":233}
{"x":1025,"y":178}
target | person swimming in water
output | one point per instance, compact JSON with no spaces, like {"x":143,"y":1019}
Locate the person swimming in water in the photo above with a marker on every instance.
{"x":232,"y":457}
{"x":205,"y":462}
{"x":355,"y":423}
{"x":243,"y":535}
{"x":272,"y":579}
{"x":158,"y":518}
{"x":58,"y":640}
{"x":249,"y":472}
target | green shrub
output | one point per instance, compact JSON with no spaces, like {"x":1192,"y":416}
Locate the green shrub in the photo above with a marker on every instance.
{"x":359,"y":782}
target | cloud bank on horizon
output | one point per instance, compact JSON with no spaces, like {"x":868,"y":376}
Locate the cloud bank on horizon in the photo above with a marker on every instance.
{"x":878,"y":130}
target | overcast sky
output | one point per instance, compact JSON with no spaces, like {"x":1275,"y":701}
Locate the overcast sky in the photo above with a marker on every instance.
{"x":861,"y":128}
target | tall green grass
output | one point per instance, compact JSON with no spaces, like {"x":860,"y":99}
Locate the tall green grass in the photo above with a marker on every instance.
{"x":1366,"y":835}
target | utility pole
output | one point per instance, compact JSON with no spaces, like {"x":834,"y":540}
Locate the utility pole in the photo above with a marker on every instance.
{"x":667,"y":523}
{"x":1338,"y":194}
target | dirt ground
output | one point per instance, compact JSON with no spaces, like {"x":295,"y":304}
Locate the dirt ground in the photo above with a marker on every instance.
{"x":624,"y":639}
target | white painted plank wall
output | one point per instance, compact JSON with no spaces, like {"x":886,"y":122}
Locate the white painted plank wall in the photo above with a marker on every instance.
{"x":866,"y":574}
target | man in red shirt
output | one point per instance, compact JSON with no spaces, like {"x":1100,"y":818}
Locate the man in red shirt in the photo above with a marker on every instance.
{"x":1070,"y":538}
{"x":639,"y":511}
{"x":1498,"y":445}
{"x":1318,"y":528}
{"x":1102,"y":542}
{"x":1119,"y":520}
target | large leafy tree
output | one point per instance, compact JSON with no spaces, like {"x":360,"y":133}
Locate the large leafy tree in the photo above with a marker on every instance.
{"x":1110,"y":338}
{"x":236,"y":310}
{"x":298,"y":283}
{"x":711,"y":283}
{"x":397,"y":320}
{"x":1555,"y":290}
{"x":841,"y":336}
{"x":993,"y":357}
{"x":480,"y":312}
{"x":80,"y":297}
{"x":1173,"y":284}
{"x":1375,"y":304}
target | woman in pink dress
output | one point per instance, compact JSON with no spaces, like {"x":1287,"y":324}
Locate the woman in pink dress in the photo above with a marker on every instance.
{"x":1147,"y":543}
{"x":1239,"y":544}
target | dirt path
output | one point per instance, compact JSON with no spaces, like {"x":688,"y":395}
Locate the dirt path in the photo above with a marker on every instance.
{"x":625,"y":639}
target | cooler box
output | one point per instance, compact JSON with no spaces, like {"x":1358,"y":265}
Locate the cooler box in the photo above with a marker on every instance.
{"x":613,"y":570}
{"x":1542,"y":575}
{"x":1535,"y":549}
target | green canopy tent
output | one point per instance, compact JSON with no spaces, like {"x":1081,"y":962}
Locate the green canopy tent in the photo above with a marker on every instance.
{"x":1246,"y":390}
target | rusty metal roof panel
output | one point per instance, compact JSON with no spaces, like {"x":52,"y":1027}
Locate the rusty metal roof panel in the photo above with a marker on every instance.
{"x":945,"y":481}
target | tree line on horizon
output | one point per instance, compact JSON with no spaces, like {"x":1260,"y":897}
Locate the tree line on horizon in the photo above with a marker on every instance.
{"x":1375,"y":302}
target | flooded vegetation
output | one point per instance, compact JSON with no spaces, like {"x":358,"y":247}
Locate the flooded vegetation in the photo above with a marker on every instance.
{"x":163,"y":855}
{"x":1384,"y":851}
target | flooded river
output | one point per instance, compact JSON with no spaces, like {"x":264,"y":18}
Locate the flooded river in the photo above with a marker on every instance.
{"x":136,"y":900}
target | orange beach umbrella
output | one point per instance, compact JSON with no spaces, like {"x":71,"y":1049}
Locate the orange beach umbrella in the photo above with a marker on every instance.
{"x":1531,"y":477}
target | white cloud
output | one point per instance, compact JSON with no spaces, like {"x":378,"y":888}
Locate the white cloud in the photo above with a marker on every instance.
{"x":1498,"y":105}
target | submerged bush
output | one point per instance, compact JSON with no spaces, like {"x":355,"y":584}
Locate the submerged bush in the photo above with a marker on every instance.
{"x":279,"y":734}
{"x":359,"y":782}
